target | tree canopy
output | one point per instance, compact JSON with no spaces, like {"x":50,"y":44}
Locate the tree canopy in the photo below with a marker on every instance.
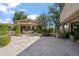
{"x":19,"y":15}
{"x":42,"y":19}
{"x":55,"y":11}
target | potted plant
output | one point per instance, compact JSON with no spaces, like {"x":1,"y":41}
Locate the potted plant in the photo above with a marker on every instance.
{"x":71,"y":35}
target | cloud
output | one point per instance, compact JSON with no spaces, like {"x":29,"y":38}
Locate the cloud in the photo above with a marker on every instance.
{"x":22,"y":9}
{"x":8,"y":20}
{"x":1,"y":21}
{"x":4,"y":8}
{"x":33,"y":16}
{"x":12,"y":12}
{"x":13,"y":4}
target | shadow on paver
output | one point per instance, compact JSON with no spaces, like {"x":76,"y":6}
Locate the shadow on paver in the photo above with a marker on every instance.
{"x":50,"y":46}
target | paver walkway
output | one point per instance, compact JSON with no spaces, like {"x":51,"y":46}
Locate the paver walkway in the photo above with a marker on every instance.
{"x":50,"y":46}
{"x":17,"y":44}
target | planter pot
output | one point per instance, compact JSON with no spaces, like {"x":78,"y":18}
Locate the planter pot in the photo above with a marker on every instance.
{"x":57,"y":35}
{"x":72,"y":38}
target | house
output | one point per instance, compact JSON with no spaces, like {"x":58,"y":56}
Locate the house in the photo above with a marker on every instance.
{"x":27,"y":24}
{"x":70,"y":17}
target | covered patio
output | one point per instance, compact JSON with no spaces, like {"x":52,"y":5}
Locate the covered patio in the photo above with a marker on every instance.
{"x":70,"y":17}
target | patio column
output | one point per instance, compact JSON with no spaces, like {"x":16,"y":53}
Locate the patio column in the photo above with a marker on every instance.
{"x":62,"y":30}
{"x":69,"y":26}
{"x":34,"y":27}
{"x":30,"y":27}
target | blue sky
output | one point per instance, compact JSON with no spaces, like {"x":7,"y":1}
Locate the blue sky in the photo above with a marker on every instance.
{"x":32,"y":9}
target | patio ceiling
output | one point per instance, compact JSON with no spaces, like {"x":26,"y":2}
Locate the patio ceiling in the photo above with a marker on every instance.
{"x":69,"y":13}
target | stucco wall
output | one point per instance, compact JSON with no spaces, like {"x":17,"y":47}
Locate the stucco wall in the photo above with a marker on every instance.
{"x":69,"y":9}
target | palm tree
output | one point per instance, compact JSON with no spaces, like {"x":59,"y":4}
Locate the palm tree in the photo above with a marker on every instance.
{"x":19,"y":15}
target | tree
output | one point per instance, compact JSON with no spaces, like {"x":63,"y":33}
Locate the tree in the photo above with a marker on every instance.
{"x":19,"y":15}
{"x":55,"y":11}
{"x":42,"y":19}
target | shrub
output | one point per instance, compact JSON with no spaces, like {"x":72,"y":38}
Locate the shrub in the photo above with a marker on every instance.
{"x":76,"y":35}
{"x":50,"y":30}
{"x":38,"y":29}
{"x":72,"y":33}
{"x":47,"y":32}
{"x":17,"y":29}
{"x":44,"y":32}
{"x":4,"y":40}
{"x":3,"y":29}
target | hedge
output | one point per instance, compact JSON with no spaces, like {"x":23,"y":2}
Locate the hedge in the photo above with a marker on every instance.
{"x":17,"y":29}
{"x":3,"y":29}
{"x":4,"y":40}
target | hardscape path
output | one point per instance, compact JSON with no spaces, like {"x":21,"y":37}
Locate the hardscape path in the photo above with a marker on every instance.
{"x":18,"y":44}
{"x":50,"y":46}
